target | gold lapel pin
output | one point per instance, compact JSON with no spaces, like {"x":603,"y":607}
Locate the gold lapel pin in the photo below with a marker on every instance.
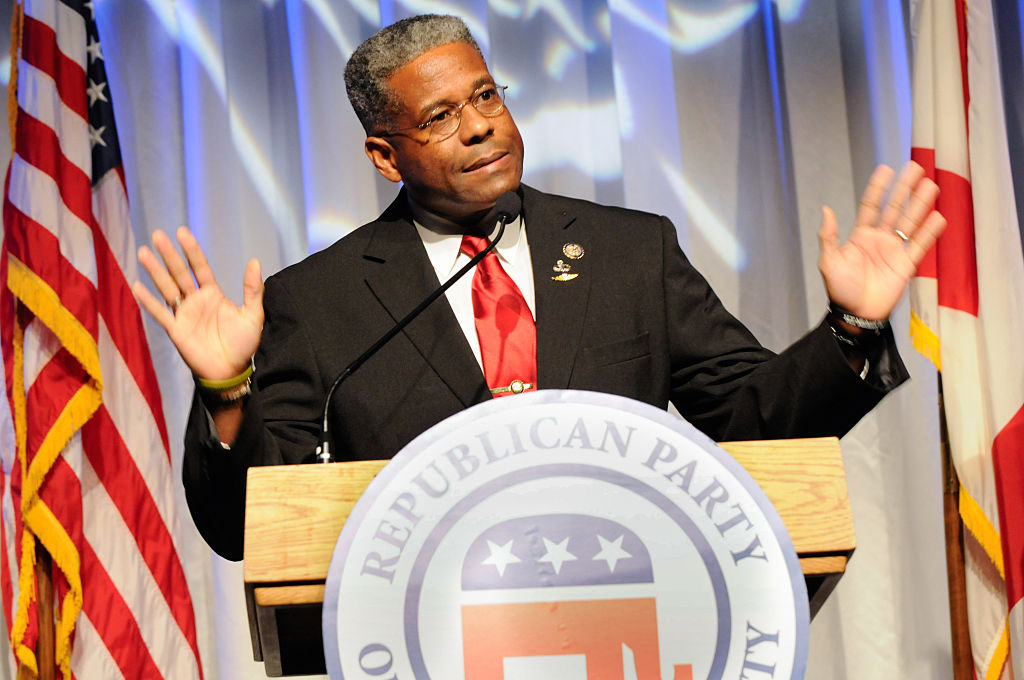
{"x":563,"y":268}
{"x":573,"y":251}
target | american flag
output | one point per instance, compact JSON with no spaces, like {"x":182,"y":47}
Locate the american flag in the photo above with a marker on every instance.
{"x":968,"y":310}
{"x":90,"y":476}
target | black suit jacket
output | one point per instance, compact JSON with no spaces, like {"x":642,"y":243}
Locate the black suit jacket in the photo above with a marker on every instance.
{"x":638,"y":321}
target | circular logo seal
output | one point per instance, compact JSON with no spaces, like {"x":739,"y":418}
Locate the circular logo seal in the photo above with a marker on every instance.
{"x":561,"y":535}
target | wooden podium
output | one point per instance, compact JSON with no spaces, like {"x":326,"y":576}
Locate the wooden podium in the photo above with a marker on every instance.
{"x":294,"y":514}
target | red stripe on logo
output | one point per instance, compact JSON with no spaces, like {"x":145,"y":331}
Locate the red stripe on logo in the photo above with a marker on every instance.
{"x":596,"y":629}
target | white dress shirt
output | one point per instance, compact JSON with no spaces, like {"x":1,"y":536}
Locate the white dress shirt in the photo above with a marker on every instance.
{"x":513,"y":253}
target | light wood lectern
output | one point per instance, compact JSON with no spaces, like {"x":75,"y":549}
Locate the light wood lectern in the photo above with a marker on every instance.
{"x":294,"y":514}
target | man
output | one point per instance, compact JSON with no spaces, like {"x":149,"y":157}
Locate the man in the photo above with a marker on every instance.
{"x":616,"y":306}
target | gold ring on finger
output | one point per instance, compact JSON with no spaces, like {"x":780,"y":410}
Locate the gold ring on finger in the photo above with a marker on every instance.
{"x":177,"y":302}
{"x":901,"y":234}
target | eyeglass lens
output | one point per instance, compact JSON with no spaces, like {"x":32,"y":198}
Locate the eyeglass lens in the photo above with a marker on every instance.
{"x":446,"y":120}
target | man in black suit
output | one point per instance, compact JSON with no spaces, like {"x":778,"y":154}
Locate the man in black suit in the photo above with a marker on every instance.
{"x":618,"y":308}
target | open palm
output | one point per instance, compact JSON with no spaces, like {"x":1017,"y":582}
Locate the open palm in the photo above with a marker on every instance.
{"x":868,"y":273}
{"x":214,"y":336}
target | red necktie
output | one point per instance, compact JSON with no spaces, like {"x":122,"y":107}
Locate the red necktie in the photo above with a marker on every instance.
{"x":504,"y":325}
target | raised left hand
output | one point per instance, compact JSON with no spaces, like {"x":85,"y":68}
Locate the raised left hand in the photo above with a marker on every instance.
{"x":867,"y":274}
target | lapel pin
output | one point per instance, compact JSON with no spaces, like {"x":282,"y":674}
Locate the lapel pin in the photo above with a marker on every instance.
{"x":563,"y":269}
{"x":573,"y":251}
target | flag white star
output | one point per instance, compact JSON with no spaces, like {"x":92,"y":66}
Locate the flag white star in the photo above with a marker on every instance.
{"x":94,"y":50}
{"x":611,"y":552}
{"x":95,"y":91}
{"x":96,"y":136}
{"x":501,"y":556}
{"x":557,"y":553}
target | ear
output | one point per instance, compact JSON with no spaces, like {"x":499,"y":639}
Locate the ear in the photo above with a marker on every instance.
{"x":384,"y":158}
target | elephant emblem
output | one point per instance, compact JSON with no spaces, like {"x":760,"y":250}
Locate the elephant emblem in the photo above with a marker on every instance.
{"x":561,"y":596}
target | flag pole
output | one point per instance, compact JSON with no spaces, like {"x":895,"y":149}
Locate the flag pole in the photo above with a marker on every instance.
{"x":963,"y":660}
{"x":46,"y":641}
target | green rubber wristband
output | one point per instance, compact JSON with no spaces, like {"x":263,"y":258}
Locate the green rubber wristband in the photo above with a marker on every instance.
{"x":222,"y":385}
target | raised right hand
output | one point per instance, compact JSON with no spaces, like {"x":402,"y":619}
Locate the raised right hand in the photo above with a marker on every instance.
{"x":214,"y":336}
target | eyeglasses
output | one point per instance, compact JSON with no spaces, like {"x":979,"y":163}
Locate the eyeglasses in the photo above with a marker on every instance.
{"x":445,"y":120}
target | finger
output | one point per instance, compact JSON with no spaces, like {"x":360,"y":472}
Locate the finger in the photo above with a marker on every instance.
{"x":196,"y":258}
{"x":252,"y":290}
{"x":909,"y":177}
{"x":871,"y":200}
{"x":828,"y":235}
{"x":920,"y":205}
{"x":157,"y":309}
{"x":165,"y":285}
{"x":176,"y":266}
{"x":925,"y":237}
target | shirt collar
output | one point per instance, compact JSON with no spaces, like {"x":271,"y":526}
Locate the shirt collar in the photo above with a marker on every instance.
{"x":443,"y":239}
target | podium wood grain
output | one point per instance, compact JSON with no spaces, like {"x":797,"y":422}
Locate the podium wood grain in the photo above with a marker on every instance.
{"x":294,"y":514}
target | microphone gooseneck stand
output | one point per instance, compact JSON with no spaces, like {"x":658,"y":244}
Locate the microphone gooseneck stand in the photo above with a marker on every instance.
{"x":508,"y":206}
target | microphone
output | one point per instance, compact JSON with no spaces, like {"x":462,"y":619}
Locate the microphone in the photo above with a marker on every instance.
{"x":507,"y":210}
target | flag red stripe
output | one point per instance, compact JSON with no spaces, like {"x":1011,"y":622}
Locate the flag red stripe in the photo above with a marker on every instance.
{"x":121,"y":315}
{"x":39,"y":48}
{"x":960,"y":9}
{"x":6,"y":585}
{"x":57,"y":382}
{"x":62,"y":493}
{"x":6,"y":345}
{"x":91,"y":285}
{"x":955,"y":254}
{"x":113,"y":619}
{"x":39,"y":250}
{"x":117,"y":304}
{"x":926,"y":159}
{"x":1008,"y":461}
{"x":39,"y":145}
{"x":955,"y":251}
{"x":127,"y":489}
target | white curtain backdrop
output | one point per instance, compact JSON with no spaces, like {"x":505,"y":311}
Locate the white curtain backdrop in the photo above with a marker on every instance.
{"x":736,"y":118}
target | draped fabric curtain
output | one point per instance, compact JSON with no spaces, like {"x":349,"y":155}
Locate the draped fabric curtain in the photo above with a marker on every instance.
{"x":737,"y":119}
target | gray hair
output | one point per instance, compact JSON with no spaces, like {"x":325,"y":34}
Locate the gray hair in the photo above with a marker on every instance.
{"x":387,"y":51}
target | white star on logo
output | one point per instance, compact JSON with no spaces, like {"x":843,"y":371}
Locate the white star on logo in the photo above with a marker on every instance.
{"x":95,"y":91}
{"x":611,"y":552}
{"x":557,"y":554}
{"x":501,"y":556}
{"x":96,"y":135}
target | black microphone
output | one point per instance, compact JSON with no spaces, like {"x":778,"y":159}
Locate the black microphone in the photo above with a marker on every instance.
{"x":507,"y":210}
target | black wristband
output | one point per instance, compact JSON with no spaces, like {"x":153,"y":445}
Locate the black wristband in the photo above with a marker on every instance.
{"x":846,"y":316}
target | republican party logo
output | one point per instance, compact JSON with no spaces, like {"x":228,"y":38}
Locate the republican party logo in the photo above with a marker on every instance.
{"x":564,"y":535}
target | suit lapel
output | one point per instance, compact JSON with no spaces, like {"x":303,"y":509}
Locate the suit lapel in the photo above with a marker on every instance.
{"x":561,"y":298}
{"x":400,"y":275}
